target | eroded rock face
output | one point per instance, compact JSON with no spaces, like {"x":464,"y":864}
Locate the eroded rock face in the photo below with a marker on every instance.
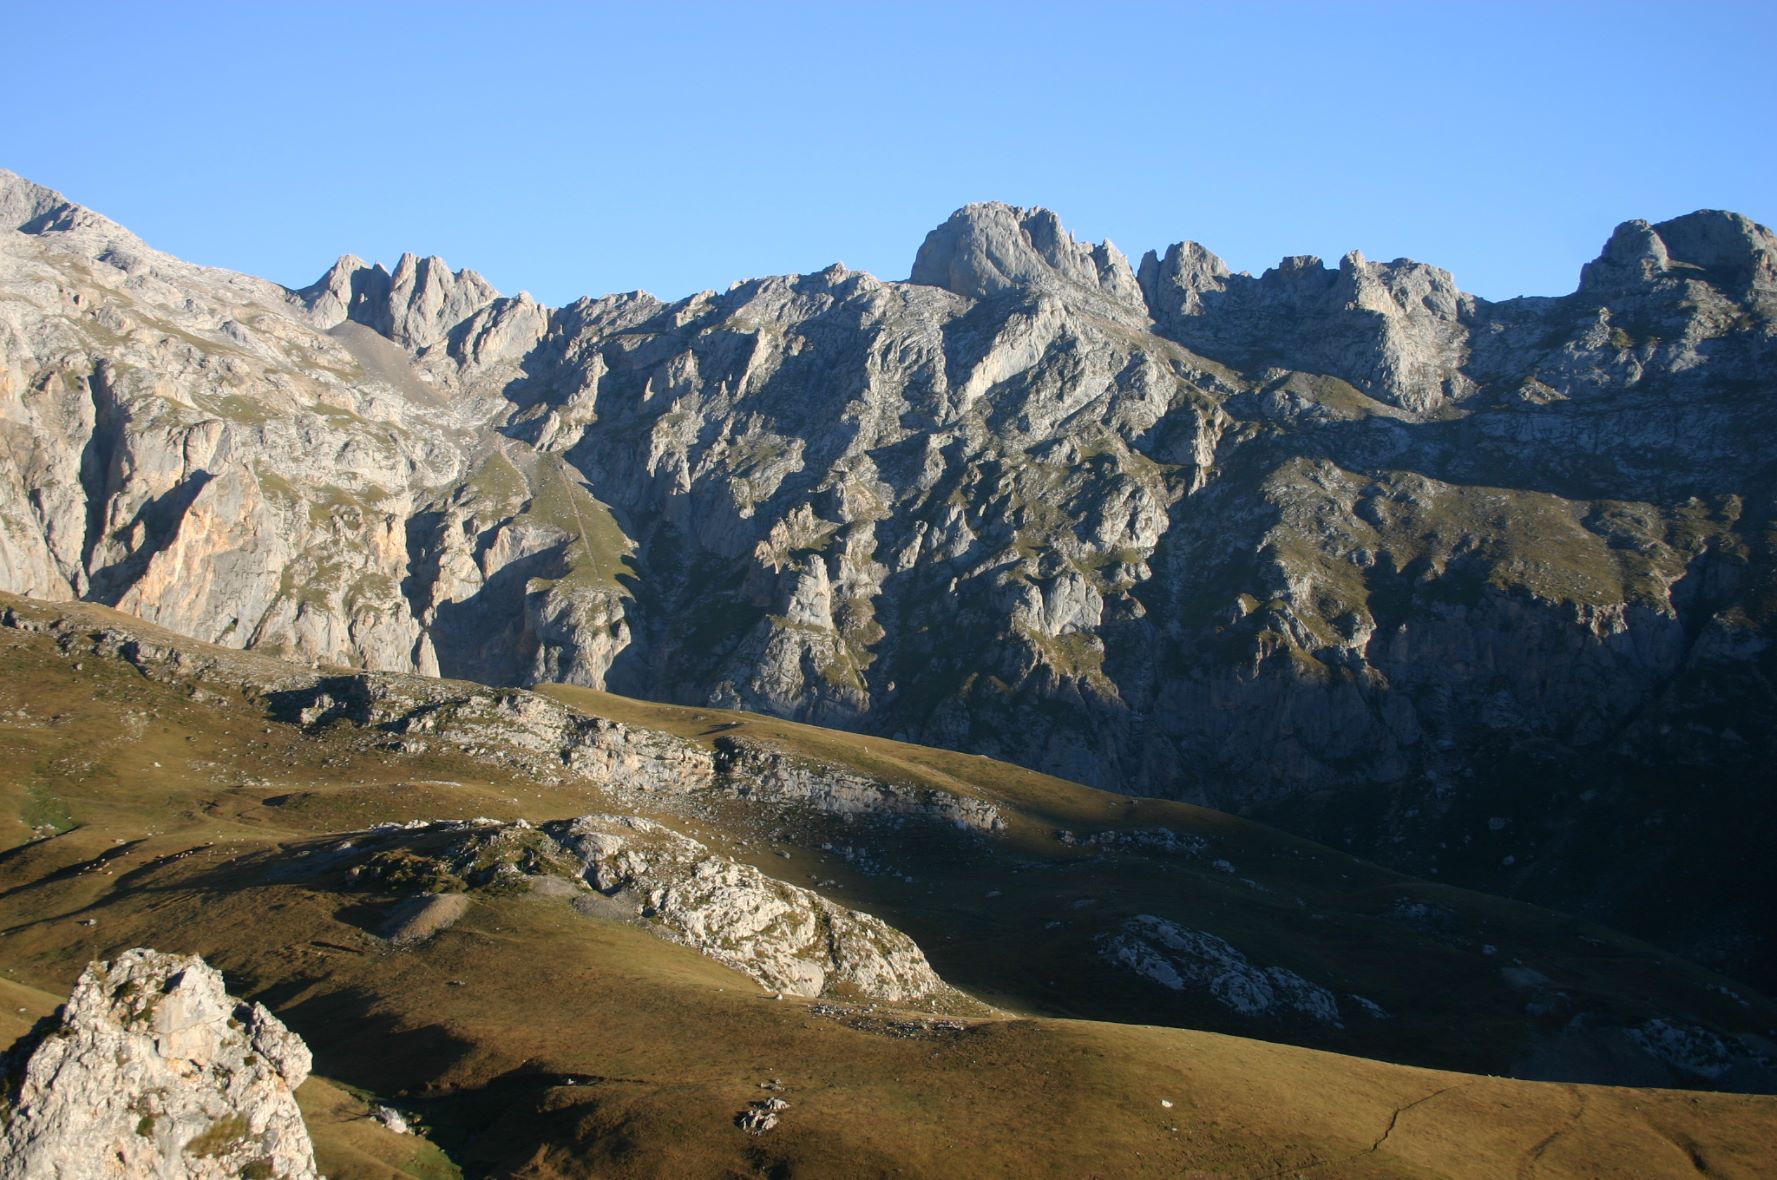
{"x":1398,"y":331}
{"x":1179,"y":958}
{"x":786,"y":938}
{"x":416,"y":306}
{"x":507,"y":727}
{"x":757,"y":772}
{"x":153,"y":1069}
{"x":987,"y":249}
{"x":1344,"y":547}
{"x":295,"y":471}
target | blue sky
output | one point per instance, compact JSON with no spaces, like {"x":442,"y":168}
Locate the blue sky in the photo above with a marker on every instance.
{"x":580,"y":149}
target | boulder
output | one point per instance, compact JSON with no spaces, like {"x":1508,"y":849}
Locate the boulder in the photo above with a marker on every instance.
{"x":153,"y":1070}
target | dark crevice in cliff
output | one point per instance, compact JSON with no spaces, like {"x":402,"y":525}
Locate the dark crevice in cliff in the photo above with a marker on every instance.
{"x":98,"y":460}
{"x":153,"y":528}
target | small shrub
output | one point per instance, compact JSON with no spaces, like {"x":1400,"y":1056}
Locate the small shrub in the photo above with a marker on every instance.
{"x":221,"y":1138}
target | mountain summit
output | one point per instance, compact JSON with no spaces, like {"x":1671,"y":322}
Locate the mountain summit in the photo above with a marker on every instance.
{"x":985,"y":249}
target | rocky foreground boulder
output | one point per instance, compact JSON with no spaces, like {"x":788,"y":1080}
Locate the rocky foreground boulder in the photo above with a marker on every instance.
{"x":153,"y":1070}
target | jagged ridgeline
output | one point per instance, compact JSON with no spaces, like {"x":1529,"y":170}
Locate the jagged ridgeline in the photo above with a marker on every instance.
{"x":1483,"y":590}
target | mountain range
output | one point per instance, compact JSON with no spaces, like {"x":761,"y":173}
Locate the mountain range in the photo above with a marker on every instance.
{"x":1481,"y":591}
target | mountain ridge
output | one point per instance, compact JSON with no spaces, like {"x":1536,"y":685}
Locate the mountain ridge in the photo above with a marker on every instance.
{"x":1343,"y":548}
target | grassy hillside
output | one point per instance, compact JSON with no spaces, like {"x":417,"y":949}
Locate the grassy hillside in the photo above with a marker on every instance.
{"x":154,"y":797}
{"x":1015,"y":919}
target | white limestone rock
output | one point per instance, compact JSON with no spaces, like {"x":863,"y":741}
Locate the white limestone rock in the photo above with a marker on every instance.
{"x":1396,"y":330}
{"x":756,"y":771}
{"x":985,"y":249}
{"x":1179,"y":958}
{"x":416,"y":306}
{"x":787,"y":938}
{"x":153,"y":1070}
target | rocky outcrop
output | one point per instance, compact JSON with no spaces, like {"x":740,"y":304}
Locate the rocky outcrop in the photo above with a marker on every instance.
{"x":549,"y":741}
{"x":1179,"y":958}
{"x":1569,"y":1033}
{"x":761,"y":1116}
{"x":1342,"y":546}
{"x":1398,"y":331}
{"x":152,"y":1069}
{"x":789,"y":939}
{"x":786,"y":938}
{"x":417,"y":306}
{"x":1731,"y":252}
{"x":754,"y":771}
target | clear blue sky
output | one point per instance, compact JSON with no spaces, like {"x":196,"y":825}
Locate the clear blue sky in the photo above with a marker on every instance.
{"x":579,"y":149}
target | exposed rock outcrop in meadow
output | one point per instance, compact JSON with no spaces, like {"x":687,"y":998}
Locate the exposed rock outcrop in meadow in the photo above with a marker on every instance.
{"x":787,"y":939}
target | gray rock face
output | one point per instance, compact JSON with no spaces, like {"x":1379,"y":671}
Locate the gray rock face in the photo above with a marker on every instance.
{"x":1732,"y":252}
{"x":1396,"y":330}
{"x":757,"y":772}
{"x":154,"y":1070}
{"x":281,"y":469}
{"x":787,"y":938}
{"x":1344,"y":547}
{"x":987,"y":249}
{"x":416,"y":306}
{"x":30,"y":207}
{"x":548,"y":742}
{"x":1179,"y":958}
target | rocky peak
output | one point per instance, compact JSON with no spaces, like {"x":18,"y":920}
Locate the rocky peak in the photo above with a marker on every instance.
{"x":416,"y":306}
{"x":1176,"y":284}
{"x":1395,"y":330}
{"x":1732,"y":251}
{"x":504,"y":330}
{"x":22,"y":202}
{"x":33,"y":209}
{"x":352,"y":289}
{"x":1633,"y":257}
{"x":987,"y":248}
{"x":1401,"y":288}
{"x":153,"y":1069}
{"x":1307,"y":267}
